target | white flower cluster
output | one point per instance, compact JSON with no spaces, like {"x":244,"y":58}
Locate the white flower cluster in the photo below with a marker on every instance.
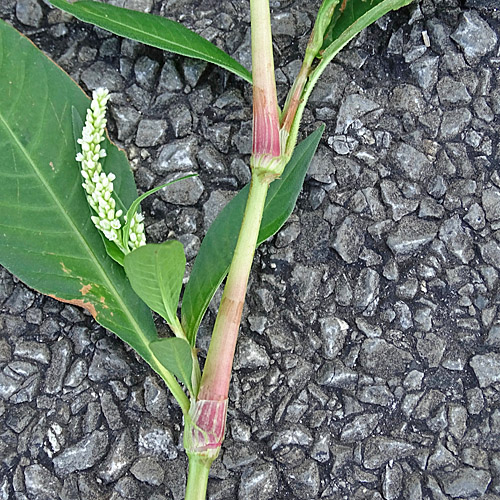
{"x":97,"y":184}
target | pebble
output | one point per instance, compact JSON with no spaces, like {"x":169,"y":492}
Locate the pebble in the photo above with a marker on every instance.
{"x":366,"y":291}
{"x":380,"y":450}
{"x":392,"y":481}
{"x":35,"y":351}
{"x":170,"y":79}
{"x":304,"y":479}
{"x":126,"y":119}
{"x":192,"y":70}
{"x":407,"y":98}
{"x":118,"y":460}
{"x":322,"y":166}
{"x":454,"y":123}
{"x":452,"y":92}
{"x":475,"y":217}
{"x":378,"y":357}
{"x":157,"y":440}
{"x":150,"y":133}
{"x":219,"y":134}
{"x":83,"y":454}
{"x":359,"y":428}
{"x":458,"y":241}
{"x":486,"y":368}
{"x":305,"y":280}
{"x":392,"y":196}
{"x":177,"y":156}
{"x":349,"y":239}
{"x":186,"y":192}
{"x":353,"y":107}
{"x":465,"y":482}
{"x":425,"y":71}
{"x":333,"y":332}
{"x":108,"y":362}
{"x":146,"y":70}
{"x":321,"y":448}
{"x":411,"y":234}
{"x":490,"y":252}
{"x":475,"y":36}
{"x":250,"y":355}
{"x":41,"y":483}
{"x":336,"y":374}
{"x":413,"y":163}
{"x":61,"y":358}
{"x":258,"y":482}
{"x":101,"y":74}
{"x":217,"y":200}
{"x":491,"y":203}
{"x":148,"y":470}
{"x":29,"y":13}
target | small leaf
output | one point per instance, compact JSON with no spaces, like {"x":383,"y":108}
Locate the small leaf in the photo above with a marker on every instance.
{"x":152,"y":30}
{"x":175,"y":355}
{"x":155,"y":272}
{"x":135,"y":205}
{"x":215,"y":254}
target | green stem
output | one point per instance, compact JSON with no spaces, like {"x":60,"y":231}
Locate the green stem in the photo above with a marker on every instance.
{"x":178,"y":331}
{"x":217,"y":372}
{"x":171,"y":383}
{"x":196,"y":488}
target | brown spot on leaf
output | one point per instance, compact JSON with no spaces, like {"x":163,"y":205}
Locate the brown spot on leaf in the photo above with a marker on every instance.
{"x":80,"y":303}
{"x":64,"y":268}
{"x":85,"y":289}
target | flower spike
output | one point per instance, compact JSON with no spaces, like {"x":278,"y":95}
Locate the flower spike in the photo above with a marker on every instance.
{"x":98,"y":185}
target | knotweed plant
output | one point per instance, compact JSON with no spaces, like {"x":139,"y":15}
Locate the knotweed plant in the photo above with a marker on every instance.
{"x":100,"y":260}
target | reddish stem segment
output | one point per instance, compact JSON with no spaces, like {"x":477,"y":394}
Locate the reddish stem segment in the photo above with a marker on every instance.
{"x":266,"y":137}
{"x":217,"y":371}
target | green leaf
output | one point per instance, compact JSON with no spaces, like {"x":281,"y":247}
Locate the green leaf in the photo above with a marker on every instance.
{"x":135,"y":205}
{"x":215,"y":254}
{"x":152,"y":30}
{"x":175,"y":355}
{"x":351,"y":17}
{"x":46,"y":236}
{"x":155,"y":272}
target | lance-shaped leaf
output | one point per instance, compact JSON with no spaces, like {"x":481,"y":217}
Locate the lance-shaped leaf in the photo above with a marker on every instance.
{"x":155,"y":272}
{"x":152,"y":30}
{"x":175,"y":355}
{"x":215,"y":254}
{"x":46,"y":236}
